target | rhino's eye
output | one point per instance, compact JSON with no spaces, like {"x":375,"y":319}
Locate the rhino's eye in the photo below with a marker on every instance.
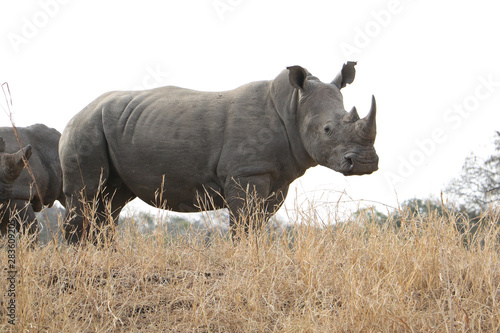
{"x":328,"y":129}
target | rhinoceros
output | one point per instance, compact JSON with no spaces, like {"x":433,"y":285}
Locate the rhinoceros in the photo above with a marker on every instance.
{"x":17,"y":190}
{"x":171,"y":146}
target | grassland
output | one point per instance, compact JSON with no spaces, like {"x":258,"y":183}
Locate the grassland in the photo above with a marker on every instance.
{"x":356,"y":276}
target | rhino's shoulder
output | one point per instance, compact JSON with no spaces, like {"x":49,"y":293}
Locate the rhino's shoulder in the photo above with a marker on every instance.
{"x":41,"y":137}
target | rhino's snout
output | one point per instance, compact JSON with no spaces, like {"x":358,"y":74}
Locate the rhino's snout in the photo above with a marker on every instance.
{"x":354,"y":164}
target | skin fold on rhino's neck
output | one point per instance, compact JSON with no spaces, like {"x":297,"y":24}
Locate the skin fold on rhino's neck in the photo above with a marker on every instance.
{"x":285,"y":99}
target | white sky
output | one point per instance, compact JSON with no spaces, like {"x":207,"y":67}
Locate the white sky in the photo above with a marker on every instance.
{"x":434,"y":68}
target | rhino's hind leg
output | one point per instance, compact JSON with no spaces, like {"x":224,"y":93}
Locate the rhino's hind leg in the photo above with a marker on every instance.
{"x":85,"y":168}
{"x":82,"y":210}
{"x":95,"y":218}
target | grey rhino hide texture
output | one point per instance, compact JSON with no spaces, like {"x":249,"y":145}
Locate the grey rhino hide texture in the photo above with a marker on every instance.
{"x":187,"y":146}
{"x":17,"y":190}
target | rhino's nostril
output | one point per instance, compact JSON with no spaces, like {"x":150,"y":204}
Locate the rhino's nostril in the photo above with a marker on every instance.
{"x":348,"y":159}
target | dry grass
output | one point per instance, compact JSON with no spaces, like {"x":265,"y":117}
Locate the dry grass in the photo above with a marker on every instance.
{"x":351,"y":277}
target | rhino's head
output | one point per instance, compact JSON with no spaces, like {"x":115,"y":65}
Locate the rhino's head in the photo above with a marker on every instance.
{"x":11,"y":166}
{"x":333,"y":137}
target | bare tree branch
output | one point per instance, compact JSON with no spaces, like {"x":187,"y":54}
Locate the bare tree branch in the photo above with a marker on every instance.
{"x":478,"y":184}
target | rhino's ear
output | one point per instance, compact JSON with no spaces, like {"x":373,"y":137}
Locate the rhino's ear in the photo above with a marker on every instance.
{"x":2,"y":145}
{"x":346,"y":75}
{"x":297,"y":77}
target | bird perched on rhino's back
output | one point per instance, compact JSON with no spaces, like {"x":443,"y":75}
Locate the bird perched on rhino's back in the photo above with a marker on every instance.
{"x":184,"y":146}
{"x":17,"y":188}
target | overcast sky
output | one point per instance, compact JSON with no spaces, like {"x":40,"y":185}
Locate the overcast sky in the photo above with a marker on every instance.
{"x":433,"y":66}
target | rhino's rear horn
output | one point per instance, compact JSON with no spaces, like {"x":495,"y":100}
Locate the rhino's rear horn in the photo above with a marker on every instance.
{"x":352,"y":116}
{"x":367,"y":126}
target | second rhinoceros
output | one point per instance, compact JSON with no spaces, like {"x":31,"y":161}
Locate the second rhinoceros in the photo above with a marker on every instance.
{"x":172,"y":146}
{"x":18,"y":192}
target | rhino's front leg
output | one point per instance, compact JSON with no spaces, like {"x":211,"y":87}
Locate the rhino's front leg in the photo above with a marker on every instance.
{"x":246,"y":198}
{"x":22,"y":213}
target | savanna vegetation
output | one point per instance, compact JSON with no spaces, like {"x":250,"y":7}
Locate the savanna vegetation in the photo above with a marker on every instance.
{"x":416,"y":273}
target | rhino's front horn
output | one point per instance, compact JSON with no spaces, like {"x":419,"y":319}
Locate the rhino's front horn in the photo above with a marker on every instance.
{"x":26,"y":152}
{"x":367,"y":126}
{"x":18,"y":156}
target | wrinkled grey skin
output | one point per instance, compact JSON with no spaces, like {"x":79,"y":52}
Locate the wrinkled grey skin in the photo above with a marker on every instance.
{"x":260,"y":136}
{"x":17,"y":192}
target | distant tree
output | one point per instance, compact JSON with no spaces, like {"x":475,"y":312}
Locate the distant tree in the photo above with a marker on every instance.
{"x":176,"y":225}
{"x":415,"y":207}
{"x":146,"y":222}
{"x":53,"y":214}
{"x":179,"y":225}
{"x":372,"y":214}
{"x":423,"y":207}
{"x":478,"y":185}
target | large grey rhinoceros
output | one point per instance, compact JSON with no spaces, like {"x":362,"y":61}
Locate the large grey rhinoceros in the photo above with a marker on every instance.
{"x":18,"y":193}
{"x":172,"y":146}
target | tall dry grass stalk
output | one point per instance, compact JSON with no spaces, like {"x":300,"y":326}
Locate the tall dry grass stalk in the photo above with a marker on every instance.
{"x":357,"y":276}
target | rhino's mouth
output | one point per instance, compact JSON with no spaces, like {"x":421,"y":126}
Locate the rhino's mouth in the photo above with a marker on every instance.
{"x":354,"y":164}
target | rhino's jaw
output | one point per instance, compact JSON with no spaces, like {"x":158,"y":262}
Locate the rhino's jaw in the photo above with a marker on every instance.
{"x":358,"y":164}
{"x":5,"y":191}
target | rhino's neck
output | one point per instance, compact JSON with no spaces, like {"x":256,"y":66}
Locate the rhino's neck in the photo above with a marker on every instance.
{"x":285,"y":100}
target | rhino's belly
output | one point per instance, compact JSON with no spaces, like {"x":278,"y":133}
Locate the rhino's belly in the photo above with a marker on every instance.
{"x":178,"y":188}
{"x":182,"y":198}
